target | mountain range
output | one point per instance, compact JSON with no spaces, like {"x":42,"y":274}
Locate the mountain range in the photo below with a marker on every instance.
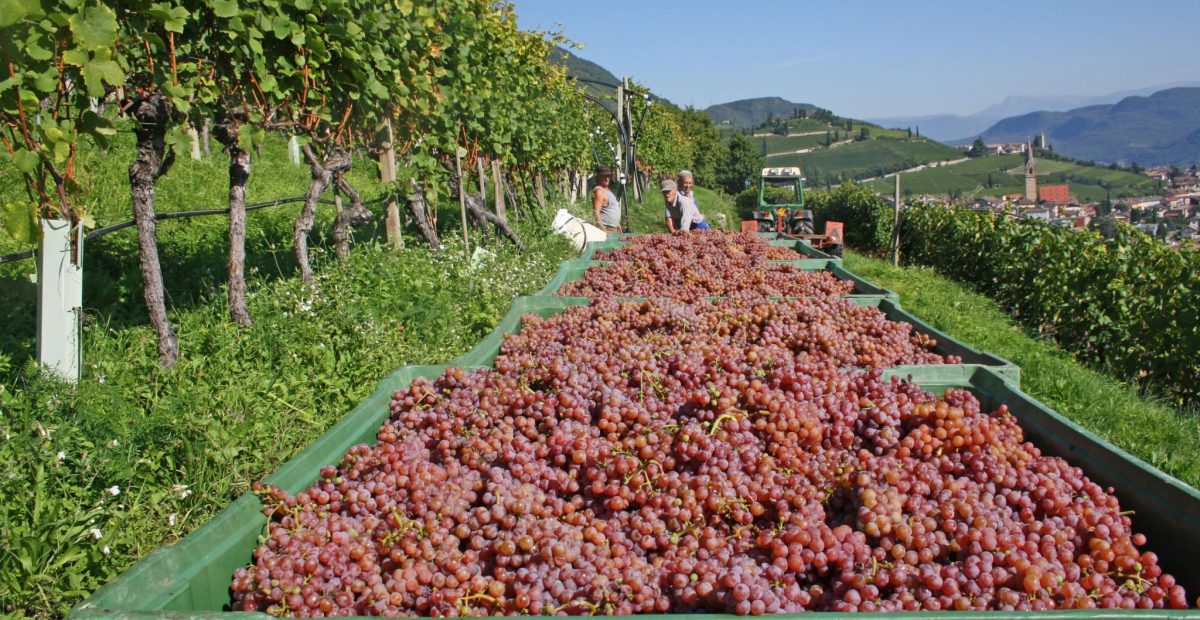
{"x":1147,"y":126}
{"x":955,"y":127}
{"x":1161,"y":129}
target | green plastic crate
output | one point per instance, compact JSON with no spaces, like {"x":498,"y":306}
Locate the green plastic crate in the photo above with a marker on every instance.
{"x":866,"y":292}
{"x":191,"y":578}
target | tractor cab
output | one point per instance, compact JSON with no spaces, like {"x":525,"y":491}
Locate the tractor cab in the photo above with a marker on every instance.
{"x":781,"y":210}
{"x":781,"y":203}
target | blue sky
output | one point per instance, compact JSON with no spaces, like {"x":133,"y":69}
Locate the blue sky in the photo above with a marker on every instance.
{"x":876,"y":58}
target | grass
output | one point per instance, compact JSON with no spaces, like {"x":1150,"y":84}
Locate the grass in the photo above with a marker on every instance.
{"x":970,"y":178}
{"x":787,"y":144}
{"x":1160,"y":435}
{"x":94,"y":476}
{"x":868,"y":158}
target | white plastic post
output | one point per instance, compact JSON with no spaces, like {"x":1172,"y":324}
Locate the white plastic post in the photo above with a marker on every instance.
{"x":60,"y":299}
{"x":294,"y":150}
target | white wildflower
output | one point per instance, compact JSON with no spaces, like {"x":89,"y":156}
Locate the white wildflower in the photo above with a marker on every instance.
{"x":171,"y":519}
{"x":100,"y":377}
{"x":114,"y":490}
{"x":114,"y":443}
{"x":96,"y":533}
{"x":182,"y":490}
{"x":60,"y":456}
{"x":106,"y":550}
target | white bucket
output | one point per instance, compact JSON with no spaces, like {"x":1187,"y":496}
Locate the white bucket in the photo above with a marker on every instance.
{"x":578,"y":231}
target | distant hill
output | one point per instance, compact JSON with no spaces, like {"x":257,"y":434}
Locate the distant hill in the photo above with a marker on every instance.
{"x":952,"y":127}
{"x":1162,"y":129}
{"x":754,"y":112}
{"x":580,"y":68}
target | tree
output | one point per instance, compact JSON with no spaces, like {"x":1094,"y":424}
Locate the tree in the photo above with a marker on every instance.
{"x":864,"y":133}
{"x":910,"y":133}
{"x":744,"y":163}
{"x":978,"y":148}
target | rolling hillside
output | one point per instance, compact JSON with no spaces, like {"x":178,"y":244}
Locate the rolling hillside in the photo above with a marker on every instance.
{"x":996,"y":176}
{"x":754,"y":112}
{"x":1162,"y":129}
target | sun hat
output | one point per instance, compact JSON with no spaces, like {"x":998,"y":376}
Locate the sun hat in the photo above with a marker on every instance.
{"x":668,"y":185}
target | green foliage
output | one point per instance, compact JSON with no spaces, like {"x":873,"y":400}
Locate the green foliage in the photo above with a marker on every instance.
{"x":42,"y":121}
{"x":743,"y":167}
{"x":144,"y":456}
{"x":978,"y":148}
{"x":868,"y":158}
{"x":1124,"y":305}
{"x":868,"y":219}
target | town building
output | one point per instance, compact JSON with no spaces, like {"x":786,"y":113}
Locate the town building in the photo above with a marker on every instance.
{"x":1055,"y":193}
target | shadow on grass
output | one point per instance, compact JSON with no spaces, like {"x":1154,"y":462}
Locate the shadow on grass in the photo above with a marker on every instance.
{"x":194,"y":256}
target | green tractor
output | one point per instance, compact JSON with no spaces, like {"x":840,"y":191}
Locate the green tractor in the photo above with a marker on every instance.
{"x":781,"y":210}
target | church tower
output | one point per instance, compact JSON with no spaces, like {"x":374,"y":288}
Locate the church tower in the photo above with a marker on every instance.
{"x":1030,"y":174}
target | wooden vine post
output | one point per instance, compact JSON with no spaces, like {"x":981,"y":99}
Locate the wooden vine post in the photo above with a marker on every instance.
{"x":387,"y":172}
{"x":498,"y":188}
{"x":462,"y":198}
{"x":896,"y":225}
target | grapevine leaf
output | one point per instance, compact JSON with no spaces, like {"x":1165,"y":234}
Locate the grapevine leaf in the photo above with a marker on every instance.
{"x":95,"y":26}
{"x":13,"y":11}
{"x":33,"y":47}
{"x":282,"y":26}
{"x":173,"y":18}
{"x":76,"y":57}
{"x":19,"y":221}
{"x":46,"y":82}
{"x":26,"y":161}
{"x":99,"y":71}
{"x":246,"y":138}
{"x":224,"y":8}
{"x":303,"y":5}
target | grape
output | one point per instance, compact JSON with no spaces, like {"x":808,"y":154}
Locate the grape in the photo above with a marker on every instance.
{"x":743,"y":455}
{"x":698,"y":265}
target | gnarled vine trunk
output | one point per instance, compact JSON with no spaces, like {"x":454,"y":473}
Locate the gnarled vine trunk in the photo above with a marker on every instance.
{"x":152,"y":113}
{"x":239,"y":174}
{"x":322,"y":175}
{"x":482,"y":217}
{"x":356,"y":215}
{"x":419,"y":210}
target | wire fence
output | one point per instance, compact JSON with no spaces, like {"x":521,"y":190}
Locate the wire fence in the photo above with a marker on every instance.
{"x":158,"y":217}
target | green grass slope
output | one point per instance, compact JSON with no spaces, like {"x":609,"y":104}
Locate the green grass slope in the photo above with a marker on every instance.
{"x":867,"y":158}
{"x":1006,"y":175}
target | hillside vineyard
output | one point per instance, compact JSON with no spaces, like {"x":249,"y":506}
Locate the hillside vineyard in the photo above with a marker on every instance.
{"x":738,"y":455}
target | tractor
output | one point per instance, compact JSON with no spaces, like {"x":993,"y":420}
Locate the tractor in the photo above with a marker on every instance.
{"x":781,"y":210}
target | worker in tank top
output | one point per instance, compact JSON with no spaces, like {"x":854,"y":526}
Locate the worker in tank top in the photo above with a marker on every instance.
{"x":605,"y":203}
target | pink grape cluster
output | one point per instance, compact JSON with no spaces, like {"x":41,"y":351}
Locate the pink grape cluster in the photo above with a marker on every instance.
{"x":693,"y":266}
{"x":736,"y":456}
{"x":699,"y":246}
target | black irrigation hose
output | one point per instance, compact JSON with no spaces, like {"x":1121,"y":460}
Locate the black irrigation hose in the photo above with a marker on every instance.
{"x":158,"y":217}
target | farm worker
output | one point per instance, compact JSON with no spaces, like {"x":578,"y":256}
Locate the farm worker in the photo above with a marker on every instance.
{"x":685,"y":181}
{"x":681,"y":213}
{"x":608,"y":208}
